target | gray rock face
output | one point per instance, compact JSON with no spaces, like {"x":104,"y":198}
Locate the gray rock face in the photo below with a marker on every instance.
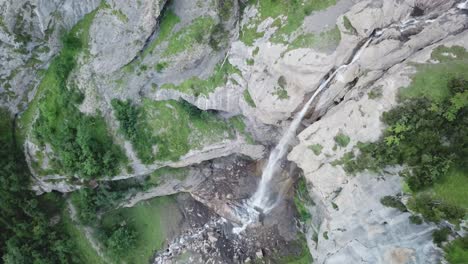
{"x":120,"y":31}
{"x":348,"y":210}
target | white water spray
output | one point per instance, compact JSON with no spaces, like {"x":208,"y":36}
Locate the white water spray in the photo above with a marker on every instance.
{"x":263,"y":201}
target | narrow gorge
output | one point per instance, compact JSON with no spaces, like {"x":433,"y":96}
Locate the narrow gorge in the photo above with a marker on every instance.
{"x":234,"y":131}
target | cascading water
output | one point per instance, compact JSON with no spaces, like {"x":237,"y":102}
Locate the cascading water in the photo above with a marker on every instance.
{"x":263,"y":200}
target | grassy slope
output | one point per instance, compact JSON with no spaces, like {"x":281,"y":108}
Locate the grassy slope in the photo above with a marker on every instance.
{"x":83,"y":247}
{"x":295,"y":12}
{"x":149,"y":220}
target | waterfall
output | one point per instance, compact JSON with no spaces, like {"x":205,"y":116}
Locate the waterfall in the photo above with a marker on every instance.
{"x":263,"y":200}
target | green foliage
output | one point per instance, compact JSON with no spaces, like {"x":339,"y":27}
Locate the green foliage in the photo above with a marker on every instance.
{"x":185,"y":38}
{"x":250,"y":61}
{"x":81,"y":142}
{"x":434,"y":81}
{"x":281,"y":93}
{"x":316,"y":148}
{"x":394,"y":202}
{"x":91,"y":201}
{"x":342,"y":140}
{"x":302,"y":256}
{"x":170,"y":127}
{"x":440,"y":235}
{"x":295,"y":12}
{"x":435,"y":210}
{"x":26,"y":233}
{"x":416,"y":219}
{"x":375,"y":93}
{"x":120,"y":241}
{"x":197,"y":86}
{"x":168,"y":21}
{"x":457,"y":251}
{"x":302,"y":200}
{"x":248,"y":98}
{"x":324,"y":41}
{"x":325,"y":235}
{"x":348,"y":26}
{"x":147,"y":227}
{"x":161,"y":66}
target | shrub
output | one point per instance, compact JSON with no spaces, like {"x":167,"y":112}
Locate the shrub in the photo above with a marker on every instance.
{"x":342,"y":140}
{"x":394,"y":202}
{"x":416,"y":219}
{"x":440,"y":235}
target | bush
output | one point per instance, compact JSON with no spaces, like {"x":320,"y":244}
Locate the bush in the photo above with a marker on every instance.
{"x":457,"y":251}
{"x":440,"y":235}
{"x":120,"y":241}
{"x":394,"y":202}
{"x":416,"y":219}
{"x":342,"y":140}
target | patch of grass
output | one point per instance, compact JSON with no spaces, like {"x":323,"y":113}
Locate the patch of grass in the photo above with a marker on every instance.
{"x":452,"y":188}
{"x":168,"y":21}
{"x":248,"y":98}
{"x":325,"y":235}
{"x":295,"y":12}
{"x":316,"y":148}
{"x":161,"y":66}
{"x":238,"y":124}
{"x":120,"y":15}
{"x":416,"y":219}
{"x":376,"y":92}
{"x":394,"y":202}
{"x":348,"y":26}
{"x":456,"y":252}
{"x":302,"y":199}
{"x":166,"y":130}
{"x":82,"y":246}
{"x":324,"y":41}
{"x":250,"y":61}
{"x":342,"y":140}
{"x":197,"y":86}
{"x":281,"y":93}
{"x":432,"y":80}
{"x":185,"y":38}
{"x":303,"y":255}
{"x":148,"y":220}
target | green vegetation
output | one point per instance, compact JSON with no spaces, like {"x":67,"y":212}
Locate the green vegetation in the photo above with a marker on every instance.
{"x":237,"y":123}
{"x":197,"y":86}
{"x":250,"y":61}
{"x":168,"y":21}
{"x":185,"y":38}
{"x":316,"y":148}
{"x":342,"y":140}
{"x":82,"y":143}
{"x":394,"y":202}
{"x":302,"y":200}
{"x":325,"y":235}
{"x":349,"y":27}
{"x":457,"y":251}
{"x":248,"y":98}
{"x":80,"y":241}
{"x":295,"y":12}
{"x":427,"y":133}
{"x":302,"y":257}
{"x":324,"y":41}
{"x":415,"y":219}
{"x":27,"y":232}
{"x":120,"y":15}
{"x":281,"y":93}
{"x":375,"y":93}
{"x":170,"y":127}
{"x":132,"y":235}
{"x":440,"y":235}
{"x":161,"y":66}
